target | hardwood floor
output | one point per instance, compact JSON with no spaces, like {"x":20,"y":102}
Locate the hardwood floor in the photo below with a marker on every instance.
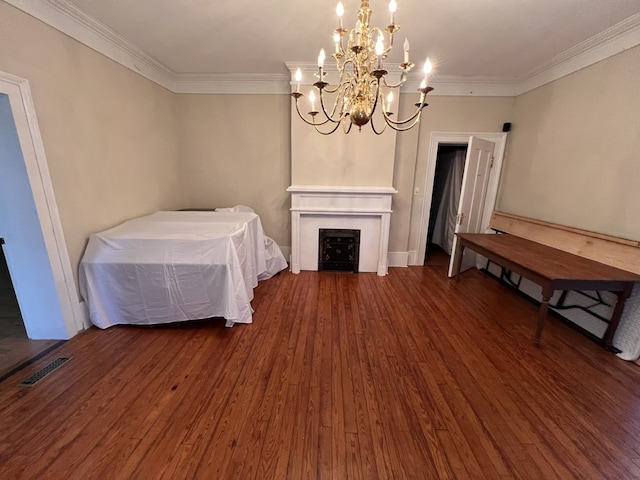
{"x":436,"y":256}
{"x":341,"y":376}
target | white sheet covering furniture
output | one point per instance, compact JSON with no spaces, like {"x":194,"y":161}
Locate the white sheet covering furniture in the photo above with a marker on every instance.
{"x":273,"y":255}
{"x":174,"y":266}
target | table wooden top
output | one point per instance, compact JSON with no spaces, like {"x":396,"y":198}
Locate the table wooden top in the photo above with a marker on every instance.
{"x":550,"y":263}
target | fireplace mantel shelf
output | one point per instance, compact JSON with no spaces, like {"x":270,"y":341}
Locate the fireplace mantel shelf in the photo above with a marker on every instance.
{"x":344,"y":211}
{"x":340,"y":189}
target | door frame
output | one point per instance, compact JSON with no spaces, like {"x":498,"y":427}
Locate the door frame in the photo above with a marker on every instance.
{"x":24,"y":114}
{"x":458,"y":138}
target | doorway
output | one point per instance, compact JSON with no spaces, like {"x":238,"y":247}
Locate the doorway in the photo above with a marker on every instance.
{"x":34,"y":249}
{"x":445,"y":199}
{"x":436,"y":140}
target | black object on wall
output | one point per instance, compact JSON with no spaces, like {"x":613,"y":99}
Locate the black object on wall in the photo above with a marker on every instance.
{"x":506,"y":127}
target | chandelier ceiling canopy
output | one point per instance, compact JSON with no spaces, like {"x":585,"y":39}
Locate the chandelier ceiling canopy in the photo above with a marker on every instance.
{"x":362,"y":87}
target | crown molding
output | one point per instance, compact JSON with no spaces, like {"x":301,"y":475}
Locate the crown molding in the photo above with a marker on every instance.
{"x":70,"y":20}
{"x":616,"y":39}
{"x":231,"y":83}
{"x":447,"y":85}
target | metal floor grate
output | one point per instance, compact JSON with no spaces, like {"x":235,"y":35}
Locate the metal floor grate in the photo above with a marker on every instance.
{"x":43,"y":372}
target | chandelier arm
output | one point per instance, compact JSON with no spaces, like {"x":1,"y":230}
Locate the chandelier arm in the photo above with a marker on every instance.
{"x":341,"y":79}
{"x":402,"y":129}
{"x":373,"y":127}
{"x":401,"y":123}
{"x":333,"y":129}
{"x":375,"y":104}
{"x":394,"y":85}
{"x":328,"y":89}
{"x":405,"y":121}
{"x":380,"y":32}
{"x":332,"y":90}
{"x":307,"y":121}
{"x":415,"y":115}
{"x":333,"y":111}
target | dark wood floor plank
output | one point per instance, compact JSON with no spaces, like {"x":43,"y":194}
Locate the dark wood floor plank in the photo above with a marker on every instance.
{"x":129,"y":391}
{"x":409,"y":376}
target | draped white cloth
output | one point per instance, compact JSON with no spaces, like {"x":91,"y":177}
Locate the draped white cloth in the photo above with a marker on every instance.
{"x":445,"y":223}
{"x":273,"y":255}
{"x":174,"y":266}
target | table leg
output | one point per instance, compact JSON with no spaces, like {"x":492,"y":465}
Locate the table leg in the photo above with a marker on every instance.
{"x":458,"y":265}
{"x":615,"y":317}
{"x":542,"y":314}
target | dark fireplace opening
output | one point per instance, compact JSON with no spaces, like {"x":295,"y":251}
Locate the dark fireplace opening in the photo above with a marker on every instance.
{"x":339,"y":250}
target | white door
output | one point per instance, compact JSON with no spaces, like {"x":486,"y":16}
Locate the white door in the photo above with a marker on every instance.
{"x":474,"y":191}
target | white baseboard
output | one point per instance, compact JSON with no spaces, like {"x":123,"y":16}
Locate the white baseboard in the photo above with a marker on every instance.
{"x":413,"y":257}
{"x":398,"y":259}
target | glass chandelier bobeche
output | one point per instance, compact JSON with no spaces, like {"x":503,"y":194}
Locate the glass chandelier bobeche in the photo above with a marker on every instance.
{"x":362,"y":83}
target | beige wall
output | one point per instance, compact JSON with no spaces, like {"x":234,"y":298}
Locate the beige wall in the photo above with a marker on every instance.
{"x":107,"y":132}
{"x":235,"y":149}
{"x":574,"y":152}
{"x":444,"y":114}
{"x":359,"y":158}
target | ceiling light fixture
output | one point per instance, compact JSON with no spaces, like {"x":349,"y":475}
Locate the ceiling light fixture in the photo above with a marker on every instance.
{"x":362,"y":82}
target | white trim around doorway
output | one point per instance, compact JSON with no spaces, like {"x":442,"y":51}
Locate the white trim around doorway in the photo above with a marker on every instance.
{"x":22,"y":106}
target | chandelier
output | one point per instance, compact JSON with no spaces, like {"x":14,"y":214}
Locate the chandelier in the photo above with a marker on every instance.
{"x":362,"y":85}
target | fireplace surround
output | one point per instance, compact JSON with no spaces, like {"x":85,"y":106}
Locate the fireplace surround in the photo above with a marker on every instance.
{"x":367,"y":209}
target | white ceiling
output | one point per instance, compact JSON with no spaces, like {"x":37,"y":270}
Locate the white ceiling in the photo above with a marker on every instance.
{"x":494,"y":38}
{"x":498,"y":40}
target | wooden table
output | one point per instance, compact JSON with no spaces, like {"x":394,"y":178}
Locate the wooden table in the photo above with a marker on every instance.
{"x":552,"y":269}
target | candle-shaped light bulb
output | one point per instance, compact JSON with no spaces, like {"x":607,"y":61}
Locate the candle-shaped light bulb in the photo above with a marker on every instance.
{"x":427,"y":70}
{"x":298,"y":79}
{"x":406,"y":50}
{"x":312,"y":99}
{"x":389,"y":100}
{"x":423,"y":84}
{"x":321,"y":58}
{"x":379,"y":46}
{"x":340,"y":13}
{"x":393,"y":6}
{"x":336,"y":40}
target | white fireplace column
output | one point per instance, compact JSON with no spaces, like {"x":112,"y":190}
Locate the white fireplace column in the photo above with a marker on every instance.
{"x":367,"y":209}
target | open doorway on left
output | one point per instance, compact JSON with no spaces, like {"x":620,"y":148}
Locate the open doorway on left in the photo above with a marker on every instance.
{"x":15,"y":347}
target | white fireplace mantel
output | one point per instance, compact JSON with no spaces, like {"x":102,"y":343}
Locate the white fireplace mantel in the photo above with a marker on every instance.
{"x":367,"y":209}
